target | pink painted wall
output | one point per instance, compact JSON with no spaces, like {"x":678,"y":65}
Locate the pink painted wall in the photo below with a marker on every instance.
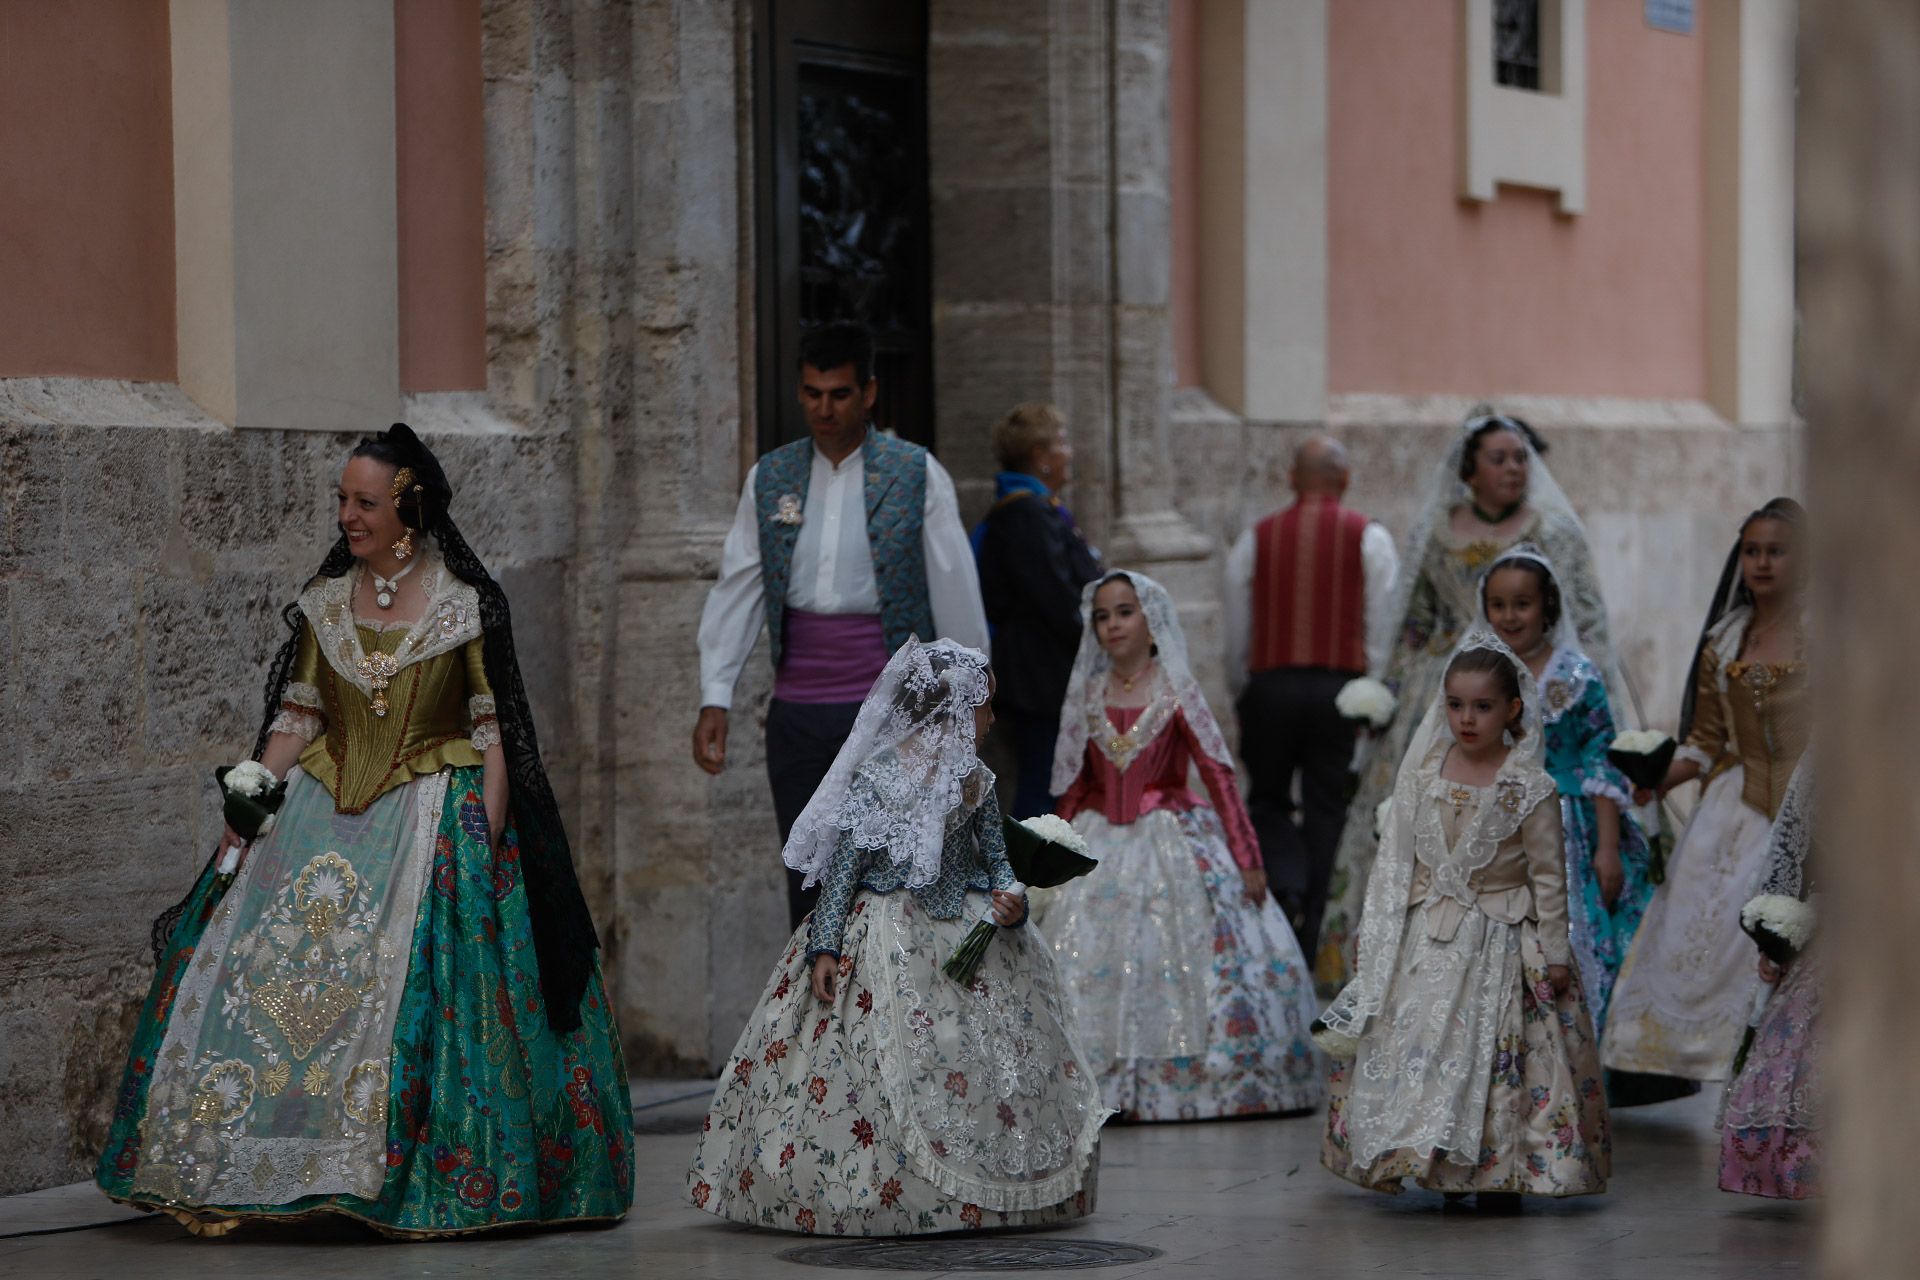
{"x":1183,"y":126}
{"x":86,"y":190}
{"x":440,"y":146}
{"x":1430,"y":293}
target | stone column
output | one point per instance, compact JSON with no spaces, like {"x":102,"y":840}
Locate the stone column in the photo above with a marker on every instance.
{"x":1055,"y":117}
{"x":1859,"y":271}
{"x":701,"y":890}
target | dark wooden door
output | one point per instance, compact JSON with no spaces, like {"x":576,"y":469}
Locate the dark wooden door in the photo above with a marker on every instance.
{"x":841,"y":195}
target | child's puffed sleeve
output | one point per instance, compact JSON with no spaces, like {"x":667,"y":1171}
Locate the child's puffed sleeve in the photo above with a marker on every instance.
{"x":1545,"y":847}
{"x":1598,"y":775}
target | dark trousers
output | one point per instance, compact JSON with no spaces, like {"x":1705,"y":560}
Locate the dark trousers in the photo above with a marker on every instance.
{"x":1033,"y":741}
{"x":802,"y":740}
{"x":1289,"y":728}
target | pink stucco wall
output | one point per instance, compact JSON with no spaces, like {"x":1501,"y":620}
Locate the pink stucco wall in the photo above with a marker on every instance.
{"x":86,"y":189}
{"x":440,"y":146}
{"x":1431,"y":293}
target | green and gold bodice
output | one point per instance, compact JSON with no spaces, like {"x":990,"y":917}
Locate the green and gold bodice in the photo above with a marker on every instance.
{"x":382,"y":703}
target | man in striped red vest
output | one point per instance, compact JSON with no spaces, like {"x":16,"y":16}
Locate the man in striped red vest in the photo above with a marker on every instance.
{"x":1307,"y":589}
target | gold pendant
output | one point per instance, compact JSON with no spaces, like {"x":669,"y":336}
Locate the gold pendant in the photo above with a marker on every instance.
{"x":379,"y":668}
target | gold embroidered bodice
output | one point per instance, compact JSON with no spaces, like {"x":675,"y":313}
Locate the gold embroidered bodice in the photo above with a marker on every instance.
{"x":381,"y":705}
{"x":1757,"y":717}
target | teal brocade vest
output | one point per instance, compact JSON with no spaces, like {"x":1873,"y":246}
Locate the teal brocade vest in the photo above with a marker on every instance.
{"x":896,"y":493}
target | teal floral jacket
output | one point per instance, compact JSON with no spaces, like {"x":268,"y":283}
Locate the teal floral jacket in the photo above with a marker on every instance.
{"x":974,"y":860}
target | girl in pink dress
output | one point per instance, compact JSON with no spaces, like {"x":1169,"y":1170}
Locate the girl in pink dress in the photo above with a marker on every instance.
{"x":1189,"y":993}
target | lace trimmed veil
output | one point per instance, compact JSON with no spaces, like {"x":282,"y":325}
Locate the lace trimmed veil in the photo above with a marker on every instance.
{"x":1568,"y":653}
{"x":907,"y":769}
{"x":1086,"y":688}
{"x":1792,"y":842}
{"x":1578,"y":582}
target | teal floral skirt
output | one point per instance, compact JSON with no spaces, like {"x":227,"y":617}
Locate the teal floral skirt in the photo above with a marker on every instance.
{"x":355,"y":1027}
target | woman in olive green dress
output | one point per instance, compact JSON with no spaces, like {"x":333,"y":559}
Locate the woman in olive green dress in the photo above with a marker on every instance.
{"x":392,"y":1011}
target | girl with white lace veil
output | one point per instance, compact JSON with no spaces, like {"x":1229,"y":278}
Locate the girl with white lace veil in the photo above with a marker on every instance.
{"x":1770,"y":1123}
{"x":1491,"y":492}
{"x":1609,"y":866}
{"x":870,"y":1094}
{"x":1188,"y":988}
{"x":1685,"y":994}
{"x":1464,"y":1058}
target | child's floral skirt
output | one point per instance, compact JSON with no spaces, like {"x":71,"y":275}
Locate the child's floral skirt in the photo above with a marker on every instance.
{"x":1542,"y":1129}
{"x":910,"y":1104}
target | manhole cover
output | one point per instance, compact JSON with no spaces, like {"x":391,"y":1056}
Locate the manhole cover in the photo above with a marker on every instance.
{"x":993,"y":1254}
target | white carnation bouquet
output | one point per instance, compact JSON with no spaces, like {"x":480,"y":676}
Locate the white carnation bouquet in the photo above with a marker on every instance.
{"x":1365,"y":698}
{"x":1644,"y":755}
{"x":1045,"y":852}
{"x":1779,"y":925}
{"x":1639,"y":742}
{"x":1335,"y":1044}
{"x":250,"y":800}
{"x":1054,"y":829}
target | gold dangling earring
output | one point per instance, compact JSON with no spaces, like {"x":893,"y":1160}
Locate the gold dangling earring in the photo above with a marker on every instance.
{"x":403,"y":548}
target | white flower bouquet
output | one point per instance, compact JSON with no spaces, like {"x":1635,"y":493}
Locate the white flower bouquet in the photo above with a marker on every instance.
{"x":1045,"y":852}
{"x":1335,"y":1044}
{"x":1382,"y":815}
{"x":250,"y":801}
{"x":1365,"y":698}
{"x":1644,"y":755}
{"x":1780,"y":926}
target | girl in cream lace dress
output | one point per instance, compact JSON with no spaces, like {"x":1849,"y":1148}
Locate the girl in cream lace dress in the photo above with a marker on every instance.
{"x":870,"y":1094}
{"x":1464,"y":1056}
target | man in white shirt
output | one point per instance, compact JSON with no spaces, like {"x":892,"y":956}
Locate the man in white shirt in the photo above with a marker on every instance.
{"x":1307,"y":592}
{"x":844,"y":546}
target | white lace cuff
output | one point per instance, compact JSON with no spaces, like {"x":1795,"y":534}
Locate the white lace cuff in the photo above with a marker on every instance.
{"x":1600,"y":788}
{"x":1688,"y":751}
{"x":486,"y":722}
{"x":301,"y":712}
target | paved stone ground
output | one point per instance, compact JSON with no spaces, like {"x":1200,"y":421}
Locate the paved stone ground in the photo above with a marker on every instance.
{"x":1236,"y":1199}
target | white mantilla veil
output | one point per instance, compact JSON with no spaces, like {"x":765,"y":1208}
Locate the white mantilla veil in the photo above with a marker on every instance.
{"x":1786,"y":873}
{"x":1087,"y":688}
{"x":908,"y":770}
{"x":1569,"y":669}
{"x":1397,"y":1059}
{"x":1562,"y":536}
